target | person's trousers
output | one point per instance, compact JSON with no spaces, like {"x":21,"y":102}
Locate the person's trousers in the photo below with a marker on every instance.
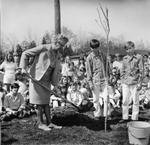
{"x":130,"y":94}
{"x":99,"y":99}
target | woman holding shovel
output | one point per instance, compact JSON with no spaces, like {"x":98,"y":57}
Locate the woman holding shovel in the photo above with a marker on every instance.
{"x":45,"y":70}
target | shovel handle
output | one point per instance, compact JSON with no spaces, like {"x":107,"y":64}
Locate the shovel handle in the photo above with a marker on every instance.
{"x":51,"y":91}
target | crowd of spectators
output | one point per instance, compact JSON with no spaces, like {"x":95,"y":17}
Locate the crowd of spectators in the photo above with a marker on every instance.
{"x":73,"y":86}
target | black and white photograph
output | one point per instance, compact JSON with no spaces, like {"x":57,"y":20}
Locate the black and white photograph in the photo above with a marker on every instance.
{"x":74,"y":72}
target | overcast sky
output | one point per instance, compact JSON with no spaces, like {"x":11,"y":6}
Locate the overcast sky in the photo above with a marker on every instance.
{"x":129,"y":19}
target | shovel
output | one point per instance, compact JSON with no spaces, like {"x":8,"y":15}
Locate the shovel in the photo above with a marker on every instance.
{"x":51,"y":91}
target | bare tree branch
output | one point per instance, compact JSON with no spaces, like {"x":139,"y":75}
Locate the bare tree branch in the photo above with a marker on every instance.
{"x":101,"y":19}
{"x":103,"y":11}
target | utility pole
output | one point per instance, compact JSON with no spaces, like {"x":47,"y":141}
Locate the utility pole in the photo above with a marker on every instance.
{"x":0,"y":25}
{"x":57,"y":17}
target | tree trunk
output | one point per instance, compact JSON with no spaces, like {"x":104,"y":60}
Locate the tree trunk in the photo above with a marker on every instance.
{"x":57,"y":17}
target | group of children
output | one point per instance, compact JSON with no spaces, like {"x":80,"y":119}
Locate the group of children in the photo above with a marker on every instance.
{"x":115,"y":91}
{"x":73,"y":91}
{"x":15,"y":103}
{"x":73,"y":87}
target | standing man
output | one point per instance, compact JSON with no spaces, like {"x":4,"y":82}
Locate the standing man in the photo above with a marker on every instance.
{"x":96,"y":76}
{"x":46,"y":70}
{"x":130,"y":77}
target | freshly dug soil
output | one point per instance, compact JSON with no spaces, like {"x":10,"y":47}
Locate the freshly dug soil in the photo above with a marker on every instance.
{"x":78,"y":129}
